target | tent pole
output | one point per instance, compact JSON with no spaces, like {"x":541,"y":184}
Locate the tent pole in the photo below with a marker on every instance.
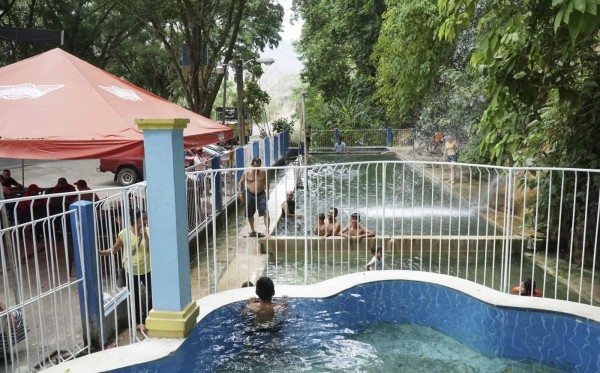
{"x":23,"y":172}
{"x":7,"y":244}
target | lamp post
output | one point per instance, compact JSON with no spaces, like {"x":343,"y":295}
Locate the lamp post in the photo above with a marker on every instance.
{"x":239,"y":76}
{"x":222,"y":70}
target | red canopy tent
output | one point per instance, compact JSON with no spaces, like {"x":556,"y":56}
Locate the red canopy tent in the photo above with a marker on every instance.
{"x":56,"y":106}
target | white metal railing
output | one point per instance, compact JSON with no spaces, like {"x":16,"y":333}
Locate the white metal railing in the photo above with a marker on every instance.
{"x":495,"y":226}
{"x":369,"y":137}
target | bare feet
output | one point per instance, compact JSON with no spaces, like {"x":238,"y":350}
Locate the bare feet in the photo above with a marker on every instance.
{"x":141,"y":328}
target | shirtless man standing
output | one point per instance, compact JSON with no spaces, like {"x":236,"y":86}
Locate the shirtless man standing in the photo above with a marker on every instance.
{"x":356,"y":230}
{"x":256,"y":191}
{"x":332,"y":226}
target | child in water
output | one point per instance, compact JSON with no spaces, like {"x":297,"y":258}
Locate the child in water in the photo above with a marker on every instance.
{"x":527,"y":288}
{"x":375,"y":264}
{"x":263,"y":308}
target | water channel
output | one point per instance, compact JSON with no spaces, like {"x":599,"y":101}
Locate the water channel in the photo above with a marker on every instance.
{"x":393,"y":199}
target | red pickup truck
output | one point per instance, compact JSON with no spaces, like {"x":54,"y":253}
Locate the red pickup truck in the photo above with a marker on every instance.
{"x":131,"y":170}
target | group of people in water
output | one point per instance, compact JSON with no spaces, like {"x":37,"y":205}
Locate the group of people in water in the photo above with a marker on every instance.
{"x":330,"y":226}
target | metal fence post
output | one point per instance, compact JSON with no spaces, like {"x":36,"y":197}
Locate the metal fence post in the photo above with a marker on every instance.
{"x":255,"y":149}
{"x":268,"y":152}
{"x":86,"y":265}
{"x":336,"y":135}
{"x":217,"y":189}
{"x":276,"y":149}
{"x":239,"y":163}
{"x":389,"y":136}
{"x":286,"y":143}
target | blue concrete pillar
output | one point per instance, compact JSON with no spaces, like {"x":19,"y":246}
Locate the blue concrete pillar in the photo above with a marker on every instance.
{"x":239,"y":162}
{"x":389,"y":136}
{"x":285,"y":144}
{"x":90,"y":290}
{"x":336,"y":135}
{"x":173,"y":313}
{"x":276,"y":148}
{"x":217,"y":186}
{"x":255,"y":149}
{"x":268,"y":152}
{"x":167,"y":212}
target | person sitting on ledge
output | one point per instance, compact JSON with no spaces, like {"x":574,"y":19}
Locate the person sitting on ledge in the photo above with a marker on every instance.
{"x":355,"y":230}
{"x":320,"y":229}
{"x":527,"y":288}
{"x":332,"y":226}
{"x":288,"y":207}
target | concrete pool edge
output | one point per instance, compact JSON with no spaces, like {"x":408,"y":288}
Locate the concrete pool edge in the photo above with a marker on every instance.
{"x":334,"y":286}
{"x":152,"y":349}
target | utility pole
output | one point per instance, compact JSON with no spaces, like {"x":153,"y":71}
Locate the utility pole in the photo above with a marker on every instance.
{"x":239,"y":75}
{"x":224,"y":95}
{"x":304,"y":127}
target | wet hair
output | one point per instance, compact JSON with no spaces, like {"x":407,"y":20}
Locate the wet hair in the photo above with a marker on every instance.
{"x":375,"y":249}
{"x":355,"y":216}
{"x":529,"y":286}
{"x":247,"y":284}
{"x":335,"y":210}
{"x":321,"y":216}
{"x":6,"y":170}
{"x":265,"y":289}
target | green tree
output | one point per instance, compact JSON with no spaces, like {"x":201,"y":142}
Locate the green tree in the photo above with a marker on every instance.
{"x":93,"y":30}
{"x":540,"y":62}
{"x":335,"y":46}
{"x":214,"y":31}
{"x":408,"y":56}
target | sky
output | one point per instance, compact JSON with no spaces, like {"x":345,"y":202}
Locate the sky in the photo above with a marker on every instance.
{"x":282,"y":76}
{"x":285,"y":59}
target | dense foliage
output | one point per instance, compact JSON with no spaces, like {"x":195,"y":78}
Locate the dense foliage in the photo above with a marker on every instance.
{"x":540,"y":62}
{"x":335,"y":46}
{"x":408,"y":55}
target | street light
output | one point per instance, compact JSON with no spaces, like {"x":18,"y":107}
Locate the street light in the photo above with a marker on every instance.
{"x":239,"y":75}
{"x":222,"y":70}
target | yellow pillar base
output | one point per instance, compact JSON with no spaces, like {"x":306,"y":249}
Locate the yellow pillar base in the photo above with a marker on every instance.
{"x":172,"y":324}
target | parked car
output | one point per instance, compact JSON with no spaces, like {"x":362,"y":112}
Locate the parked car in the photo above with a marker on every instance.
{"x":131,"y":170}
{"x":214,"y":150}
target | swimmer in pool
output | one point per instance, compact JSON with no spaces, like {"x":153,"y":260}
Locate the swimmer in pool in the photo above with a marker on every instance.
{"x":263,"y":308}
{"x":527,"y":288}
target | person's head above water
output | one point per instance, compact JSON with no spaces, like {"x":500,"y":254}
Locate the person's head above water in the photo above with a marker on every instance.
{"x":265,"y":289}
{"x":332,"y":213}
{"x":527,"y":286}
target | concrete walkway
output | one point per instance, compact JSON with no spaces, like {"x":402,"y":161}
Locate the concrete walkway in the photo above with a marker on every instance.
{"x":250,"y":262}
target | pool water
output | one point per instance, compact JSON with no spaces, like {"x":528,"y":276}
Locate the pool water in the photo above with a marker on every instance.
{"x":388,"y":326}
{"x":381,"y":348}
{"x":471,"y":267}
{"x":391,"y":198}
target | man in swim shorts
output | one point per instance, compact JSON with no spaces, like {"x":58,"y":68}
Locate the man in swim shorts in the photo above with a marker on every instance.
{"x":255,"y":195}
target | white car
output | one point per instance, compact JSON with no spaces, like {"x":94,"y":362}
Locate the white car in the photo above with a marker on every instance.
{"x":214,"y":150}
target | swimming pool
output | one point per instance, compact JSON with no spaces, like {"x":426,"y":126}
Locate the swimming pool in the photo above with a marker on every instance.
{"x":357,"y":319}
